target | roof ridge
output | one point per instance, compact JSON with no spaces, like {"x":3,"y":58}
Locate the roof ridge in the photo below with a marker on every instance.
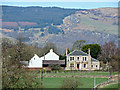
{"x":71,"y":52}
{"x":83,"y":52}
{"x":80,"y":51}
{"x":94,"y":59}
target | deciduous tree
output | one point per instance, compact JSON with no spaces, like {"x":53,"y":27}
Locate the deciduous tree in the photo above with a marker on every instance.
{"x":78,"y":44}
{"x":109,"y":55}
{"x":13,"y":75}
{"x":94,"y":49}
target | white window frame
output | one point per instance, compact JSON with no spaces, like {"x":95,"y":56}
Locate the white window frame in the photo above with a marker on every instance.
{"x":72,"y":58}
{"x":96,"y":66}
{"x":83,"y":58}
{"x":71,"y":65}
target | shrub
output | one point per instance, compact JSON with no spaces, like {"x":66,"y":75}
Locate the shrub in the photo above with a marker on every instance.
{"x":70,"y":83}
{"x":55,"y":67}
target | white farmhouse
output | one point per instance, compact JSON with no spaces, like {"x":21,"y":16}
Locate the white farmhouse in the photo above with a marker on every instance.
{"x":37,"y":62}
{"x":50,"y":56}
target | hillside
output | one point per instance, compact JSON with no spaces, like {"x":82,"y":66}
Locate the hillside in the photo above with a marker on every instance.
{"x":100,"y":20}
{"x":61,"y":26}
{"x":38,"y":16}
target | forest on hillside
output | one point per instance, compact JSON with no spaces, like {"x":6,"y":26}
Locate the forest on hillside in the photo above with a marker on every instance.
{"x":41,"y":15}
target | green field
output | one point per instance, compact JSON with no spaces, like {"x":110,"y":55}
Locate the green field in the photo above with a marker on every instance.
{"x":111,"y":87}
{"x":53,"y":82}
{"x":81,"y":73}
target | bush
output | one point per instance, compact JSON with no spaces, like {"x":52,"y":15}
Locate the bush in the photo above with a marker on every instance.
{"x":70,"y":83}
{"x":55,"y":67}
{"x":48,"y":71}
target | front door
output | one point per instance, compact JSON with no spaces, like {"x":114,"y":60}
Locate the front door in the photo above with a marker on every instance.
{"x":77,"y":66}
{"x":84,"y":65}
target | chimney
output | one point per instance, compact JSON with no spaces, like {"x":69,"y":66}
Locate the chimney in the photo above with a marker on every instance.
{"x":51,"y":50}
{"x":44,"y":56}
{"x":66,"y":51}
{"x":88,"y":51}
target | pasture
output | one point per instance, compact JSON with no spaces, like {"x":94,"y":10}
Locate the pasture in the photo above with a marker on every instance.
{"x":114,"y":86}
{"x":56,"y":82}
{"x":50,"y":81}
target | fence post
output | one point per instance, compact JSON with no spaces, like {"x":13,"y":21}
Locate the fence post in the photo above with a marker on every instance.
{"x":42,"y":79}
{"x":94,"y":82}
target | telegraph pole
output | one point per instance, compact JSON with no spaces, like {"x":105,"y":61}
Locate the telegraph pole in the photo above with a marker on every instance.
{"x":42,"y":74}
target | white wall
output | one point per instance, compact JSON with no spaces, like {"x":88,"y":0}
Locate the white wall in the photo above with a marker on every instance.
{"x":50,"y":56}
{"x":35,"y":62}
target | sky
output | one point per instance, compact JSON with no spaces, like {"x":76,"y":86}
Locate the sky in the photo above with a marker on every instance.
{"x":60,"y":0}
{"x":73,"y":4}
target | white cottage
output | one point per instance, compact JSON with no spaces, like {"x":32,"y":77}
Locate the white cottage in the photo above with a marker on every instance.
{"x":50,"y":56}
{"x":37,"y":62}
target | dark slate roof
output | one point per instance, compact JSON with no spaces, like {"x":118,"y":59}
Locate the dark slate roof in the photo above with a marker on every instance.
{"x":95,"y":60}
{"x":54,"y":62}
{"x":77,"y":53}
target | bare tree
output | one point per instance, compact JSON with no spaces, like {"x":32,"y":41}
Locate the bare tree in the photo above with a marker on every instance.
{"x":109,"y":52}
{"x":78,"y":44}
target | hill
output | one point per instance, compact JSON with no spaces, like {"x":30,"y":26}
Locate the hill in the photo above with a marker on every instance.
{"x":39,"y":16}
{"x":61,"y":26}
{"x":100,"y":20}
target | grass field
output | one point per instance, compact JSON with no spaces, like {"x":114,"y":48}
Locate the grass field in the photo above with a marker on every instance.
{"x":53,"y":82}
{"x":81,"y":73}
{"x":111,"y":87}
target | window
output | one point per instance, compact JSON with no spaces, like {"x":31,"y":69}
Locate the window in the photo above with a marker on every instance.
{"x":84,"y":65}
{"x":83,"y":58}
{"x":77,"y":58}
{"x":71,"y":65}
{"x":71,"y":58}
{"x":96,"y":65}
{"x":91,"y":65}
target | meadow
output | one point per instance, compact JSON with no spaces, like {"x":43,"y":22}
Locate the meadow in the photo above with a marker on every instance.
{"x":56,"y":82}
{"x":87,"y":82}
{"x":111,"y":87}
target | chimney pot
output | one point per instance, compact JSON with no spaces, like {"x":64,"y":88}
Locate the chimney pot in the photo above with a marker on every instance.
{"x":88,"y":51}
{"x":66,"y":51}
